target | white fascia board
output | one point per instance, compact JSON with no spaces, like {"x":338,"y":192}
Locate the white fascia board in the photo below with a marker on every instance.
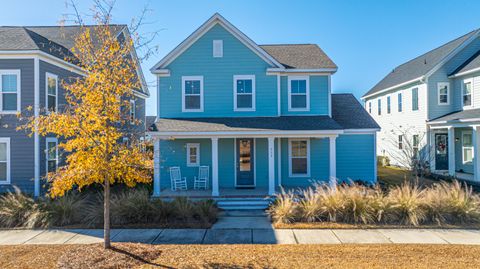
{"x":393,"y":87}
{"x":287,"y":71}
{"x":192,"y":38}
{"x":465,"y":73}
{"x":362,"y":131}
{"x":162,"y":72}
{"x":317,"y":133}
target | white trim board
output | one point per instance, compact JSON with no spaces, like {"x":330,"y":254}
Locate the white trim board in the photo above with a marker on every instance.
{"x":235,"y":93}
{"x":307,"y":93}
{"x":47,"y":76}
{"x":193,"y":78}
{"x":8,"y":160}
{"x":18,"y":74}
{"x":290,"y":173}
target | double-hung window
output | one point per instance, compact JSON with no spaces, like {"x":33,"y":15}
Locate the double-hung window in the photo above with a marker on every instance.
{"x":400,"y":102}
{"x":244,"y":93}
{"x":193,"y":154}
{"x":388,"y":105}
{"x":9,"y":91}
{"x":416,"y":144}
{"x":414,"y":99}
{"x":370,"y":107}
{"x":467,"y":93}
{"x":379,"y":106}
{"x":467,"y":147}
{"x":132,"y":111}
{"x":4,"y":160}
{"x":192,"y":94}
{"x":298,"y":93}
{"x":299,"y":153}
{"x":52,"y":92}
{"x":400,"y":142}
{"x":51,"y":154}
{"x":443,"y":91}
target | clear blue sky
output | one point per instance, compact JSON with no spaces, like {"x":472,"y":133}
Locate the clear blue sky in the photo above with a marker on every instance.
{"x":366,"y":39}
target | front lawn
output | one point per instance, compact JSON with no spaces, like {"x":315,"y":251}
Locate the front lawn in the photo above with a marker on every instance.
{"x":394,"y":176}
{"x":240,"y":256}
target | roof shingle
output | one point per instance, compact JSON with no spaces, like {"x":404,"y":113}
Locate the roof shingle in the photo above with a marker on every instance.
{"x":300,"y":56}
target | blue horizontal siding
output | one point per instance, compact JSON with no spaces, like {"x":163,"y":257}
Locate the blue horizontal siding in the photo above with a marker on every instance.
{"x":356,"y":157}
{"x":318,"y":96}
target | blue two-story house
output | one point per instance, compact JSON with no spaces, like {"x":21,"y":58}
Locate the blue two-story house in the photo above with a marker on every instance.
{"x":260,"y":117}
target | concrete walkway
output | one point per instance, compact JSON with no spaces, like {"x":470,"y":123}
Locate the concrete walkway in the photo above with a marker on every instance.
{"x":244,"y":236}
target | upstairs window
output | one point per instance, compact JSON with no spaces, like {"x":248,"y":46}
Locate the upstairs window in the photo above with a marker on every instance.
{"x":192,"y":94}
{"x":467,"y":93}
{"x":217,"y":48}
{"x":388,"y":105}
{"x":400,"y":102}
{"x":4,"y":160}
{"x":400,"y":142}
{"x":379,"y":106}
{"x":193,"y":154}
{"x":370,"y":107}
{"x":443,"y":91}
{"x":133,"y":108}
{"x":244,"y":93}
{"x":52,"y":154}
{"x":52,"y":92}
{"x":298,"y":93}
{"x":467,"y":147}
{"x":415,"y":99}
{"x":9,"y":90}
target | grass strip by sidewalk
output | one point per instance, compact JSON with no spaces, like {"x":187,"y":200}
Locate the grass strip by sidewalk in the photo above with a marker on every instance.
{"x":240,"y":256}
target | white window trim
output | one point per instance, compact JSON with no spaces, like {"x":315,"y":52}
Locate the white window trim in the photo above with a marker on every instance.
{"x":379,"y":106}
{"x":133,"y":108}
{"x":243,"y":77}
{"x":16,"y":72}
{"x":217,"y":54}
{"x":7,"y":141}
{"x":389,"y":104}
{"x":47,"y":76}
{"x":185,"y":78}
{"x":189,"y":146}
{"x":467,"y":147}
{"x":400,"y":142}
{"x":440,"y":85}
{"x":468,"y":80}
{"x":400,"y":102}
{"x":290,"y":157}
{"x":49,"y":140}
{"x":418,"y":98}
{"x":307,"y":79}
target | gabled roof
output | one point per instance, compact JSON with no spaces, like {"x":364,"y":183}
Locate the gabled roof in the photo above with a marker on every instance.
{"x":300,"y":56}
{"x":458,"y":116}
{"x":347,"y":113}
{"x":417,"y":68}
{"x":56,"y":41}
{"x":214,"y":20}
{"x":471,"y":64}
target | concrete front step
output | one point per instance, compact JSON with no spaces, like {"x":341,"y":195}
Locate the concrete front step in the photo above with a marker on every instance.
{"x":243,"y":213}
{"x":245,"y":204}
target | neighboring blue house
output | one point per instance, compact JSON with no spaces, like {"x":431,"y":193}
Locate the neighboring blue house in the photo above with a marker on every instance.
{"x":32,"y":70}
{"x":260,"y":117}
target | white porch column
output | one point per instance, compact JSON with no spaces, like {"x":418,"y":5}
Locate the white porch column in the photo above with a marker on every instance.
{"x":476,"y":152}
{"x":271,"y":166}
{"x":215,"y":190}
{"x":156,"y":168}
{"x":333,"y":158}
{"x":451,"y":151}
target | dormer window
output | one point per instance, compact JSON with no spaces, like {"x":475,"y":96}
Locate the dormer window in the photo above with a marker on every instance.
{"x":217,"y":48}
{"x":467,"y":93}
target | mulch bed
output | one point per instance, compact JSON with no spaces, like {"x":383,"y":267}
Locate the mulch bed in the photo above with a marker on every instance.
{"x":240,"y":256}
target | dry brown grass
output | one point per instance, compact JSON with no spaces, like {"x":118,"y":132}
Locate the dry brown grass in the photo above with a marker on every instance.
{"x":241,"y":256}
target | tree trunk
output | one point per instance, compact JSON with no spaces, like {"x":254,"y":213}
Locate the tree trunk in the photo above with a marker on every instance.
{"x":106,"y":214}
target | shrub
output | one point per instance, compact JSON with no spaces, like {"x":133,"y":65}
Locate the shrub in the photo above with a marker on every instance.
{"x":131,"y":206}
{"x":283,"y":209}
{"x":65,"y":210}
{"x":20,"y":210}
{"x":206,"y":210}
{"x":407,"y":204}
{"x":183,"y":208}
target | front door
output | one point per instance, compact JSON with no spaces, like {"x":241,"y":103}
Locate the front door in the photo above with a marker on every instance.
{"x":245,"y":163}
{"x":441,"y":152}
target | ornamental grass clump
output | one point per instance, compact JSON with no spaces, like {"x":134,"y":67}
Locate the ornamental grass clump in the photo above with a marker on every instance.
{"x":284,"y":208}
{"x":131,"y":206}
{"x":309,"y":207}
{"x":20,"y":210}
{"x":332,"y":203}
{"x":357,"y":207}
{"x":407,"y":204}
{"x":65,"y":210}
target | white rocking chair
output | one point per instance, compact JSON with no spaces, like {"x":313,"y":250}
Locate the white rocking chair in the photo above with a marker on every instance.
{"x":201,"y":182}
{"x":177,"y":181}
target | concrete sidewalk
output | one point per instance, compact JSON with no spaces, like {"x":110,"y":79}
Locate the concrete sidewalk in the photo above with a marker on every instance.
{"x":244,"y":236}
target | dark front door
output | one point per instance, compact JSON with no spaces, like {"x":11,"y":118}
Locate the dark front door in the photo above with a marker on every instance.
{"x":245,"y":162}
{"x":441,"y":152}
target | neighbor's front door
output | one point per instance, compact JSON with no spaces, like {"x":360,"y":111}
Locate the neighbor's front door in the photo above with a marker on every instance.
{"x":441,"y":152}
{"x":245,"y":162}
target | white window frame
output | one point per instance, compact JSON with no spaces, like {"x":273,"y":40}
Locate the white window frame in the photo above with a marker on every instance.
{"x":389,"y":104}
{"x":415,"y":89}
{"x":468,"y":80}
{"x":235,"y":94}
{"x":189,"y":146}
{"x":217,"y":49}
{"x":185,"y":78}
{"x":379,"y":106}
{"x":307,"y":92}
{"x":467,"y":147}
{"x":47,"y":76}
{"x":133,"y":113}
{"x":7,"y":141}
{"x":399,"y":102}
{"x":291,"y":174}
{"x":400,"y":142}
{"x":16,"y":72}
{"x":50,"y":140}
{"x":440,"y":85}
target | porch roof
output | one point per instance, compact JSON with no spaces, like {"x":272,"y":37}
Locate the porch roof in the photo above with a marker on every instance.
{"x":463,"y":116}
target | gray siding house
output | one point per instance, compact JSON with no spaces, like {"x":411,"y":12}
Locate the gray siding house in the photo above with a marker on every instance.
{"x":32,"y":68}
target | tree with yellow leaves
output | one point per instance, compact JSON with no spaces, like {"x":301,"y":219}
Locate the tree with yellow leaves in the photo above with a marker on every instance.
{"x":91,"y":127}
